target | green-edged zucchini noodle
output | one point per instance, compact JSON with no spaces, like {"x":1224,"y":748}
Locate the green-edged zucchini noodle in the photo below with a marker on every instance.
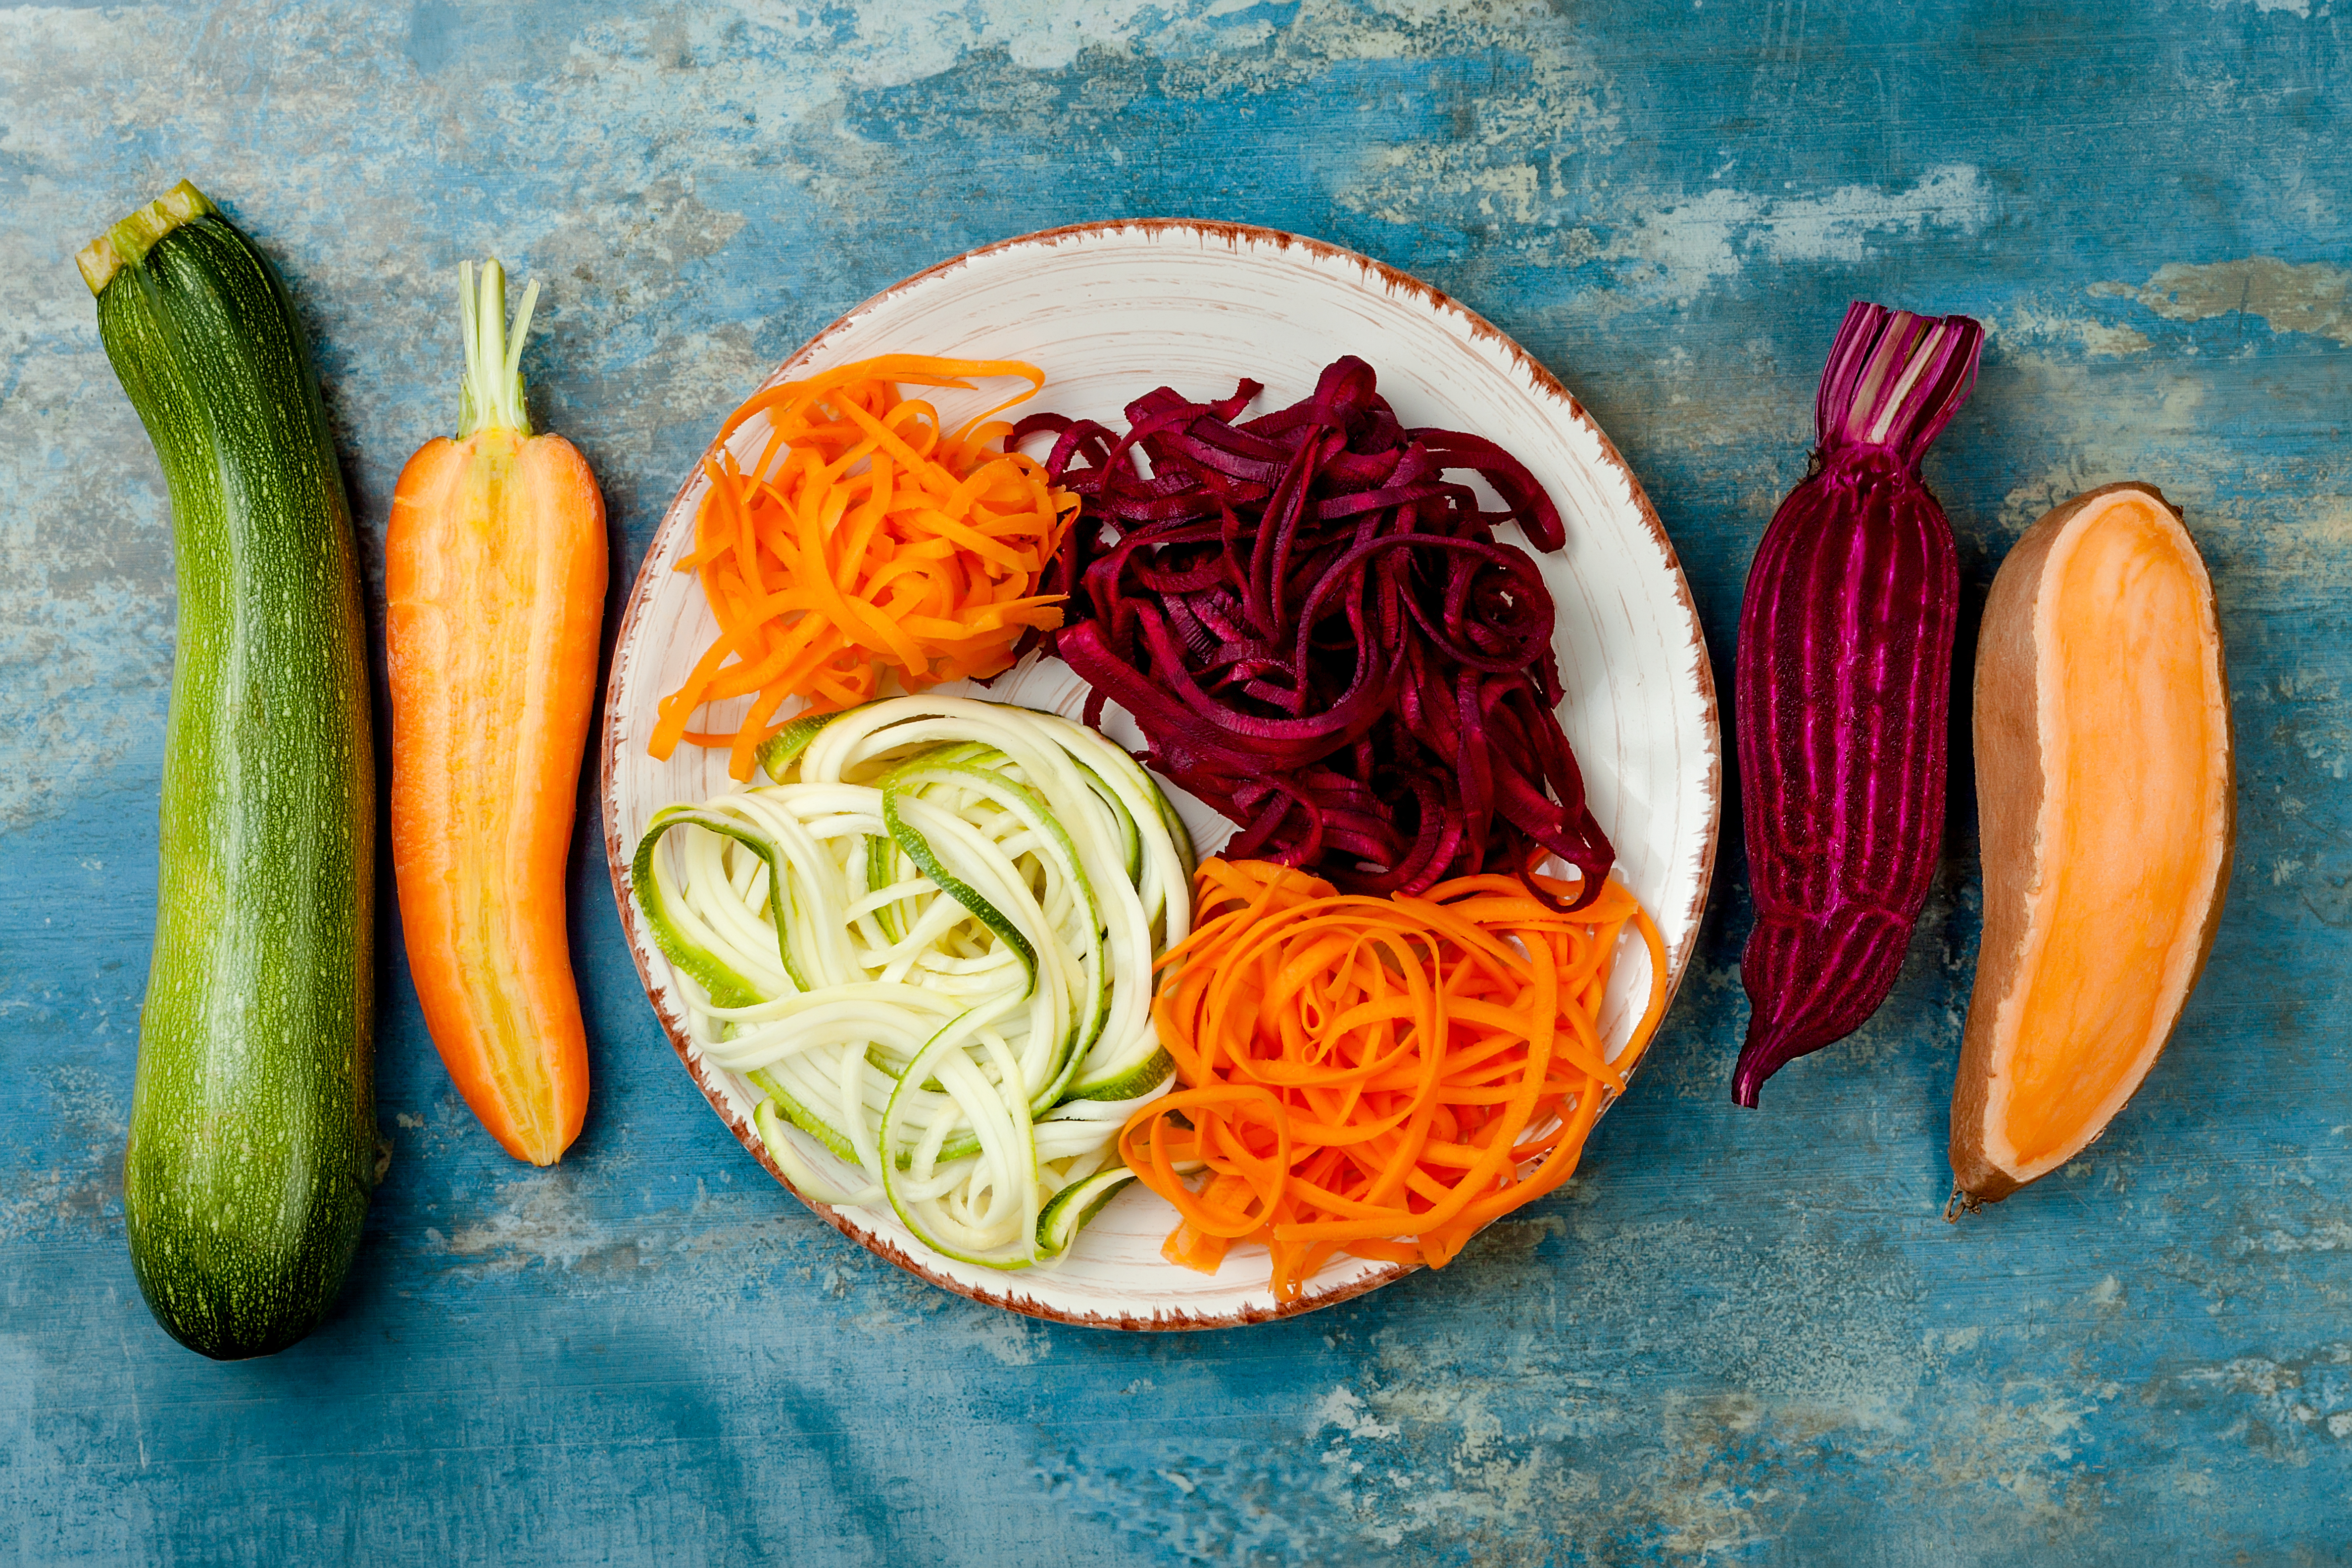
{"x":930,"y":943}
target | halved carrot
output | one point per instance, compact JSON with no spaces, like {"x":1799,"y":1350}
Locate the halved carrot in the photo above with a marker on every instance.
{"x":1382,"y":1076}
{"x":494,"y":577}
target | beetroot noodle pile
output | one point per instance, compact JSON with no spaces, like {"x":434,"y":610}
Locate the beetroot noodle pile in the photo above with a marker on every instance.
{"x":1320,"y":634}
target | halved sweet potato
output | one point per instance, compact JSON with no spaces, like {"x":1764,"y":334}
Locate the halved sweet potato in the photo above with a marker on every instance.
{"x":2106,"y":797}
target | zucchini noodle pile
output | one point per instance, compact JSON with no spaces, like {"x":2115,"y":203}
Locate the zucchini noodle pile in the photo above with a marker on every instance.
{"x":931,"y":943}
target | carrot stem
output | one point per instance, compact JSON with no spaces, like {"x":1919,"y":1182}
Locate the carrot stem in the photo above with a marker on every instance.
{"x":491,"y":395}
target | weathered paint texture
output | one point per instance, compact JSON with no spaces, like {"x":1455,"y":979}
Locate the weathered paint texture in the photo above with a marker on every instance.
{"x":1739,"y":1337}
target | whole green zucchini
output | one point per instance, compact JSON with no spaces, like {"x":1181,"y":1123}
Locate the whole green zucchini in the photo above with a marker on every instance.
{"x":252,"y":1139}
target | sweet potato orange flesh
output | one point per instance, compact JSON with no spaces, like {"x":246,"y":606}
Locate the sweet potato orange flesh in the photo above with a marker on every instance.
{"x":2105,"y":785}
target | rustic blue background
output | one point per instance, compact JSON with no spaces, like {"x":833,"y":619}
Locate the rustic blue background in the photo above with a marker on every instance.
{"x":1739,"y":1337}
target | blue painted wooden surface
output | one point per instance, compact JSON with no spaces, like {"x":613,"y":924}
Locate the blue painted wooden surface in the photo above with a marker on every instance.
{"x":1739,"y":1337}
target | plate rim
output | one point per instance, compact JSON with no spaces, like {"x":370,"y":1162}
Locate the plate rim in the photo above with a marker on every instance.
{"x":618,"y":857}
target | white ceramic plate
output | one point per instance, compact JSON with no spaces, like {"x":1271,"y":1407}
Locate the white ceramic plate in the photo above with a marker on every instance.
{"x":1108,"y":311}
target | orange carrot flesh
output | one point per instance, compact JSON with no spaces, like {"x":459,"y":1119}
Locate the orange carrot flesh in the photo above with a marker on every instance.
{"x":495,"y":576}
{"x":1382,"y":1076}
{"x":865,"y":538}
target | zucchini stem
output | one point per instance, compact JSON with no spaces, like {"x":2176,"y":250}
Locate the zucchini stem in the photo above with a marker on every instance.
{"x":129,"y":241}
{"x":491,"y":395}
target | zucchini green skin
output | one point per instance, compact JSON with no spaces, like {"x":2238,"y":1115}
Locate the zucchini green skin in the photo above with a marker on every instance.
{"x":253,"y":1145}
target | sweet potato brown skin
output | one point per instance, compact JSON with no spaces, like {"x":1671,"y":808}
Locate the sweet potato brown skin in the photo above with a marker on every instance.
{"x":2006,"y":728}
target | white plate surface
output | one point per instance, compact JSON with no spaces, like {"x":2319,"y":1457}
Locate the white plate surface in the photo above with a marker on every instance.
{"x":1110,"y":311}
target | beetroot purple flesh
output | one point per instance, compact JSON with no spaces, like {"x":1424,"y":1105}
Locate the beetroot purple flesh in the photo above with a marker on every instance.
{"x":1842,"y":688}
{"x":1320,"y":634}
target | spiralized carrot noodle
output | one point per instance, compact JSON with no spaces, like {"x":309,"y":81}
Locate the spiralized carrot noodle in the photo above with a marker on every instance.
{"x":868,"y":537}
{"x":1381,"y":1076}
